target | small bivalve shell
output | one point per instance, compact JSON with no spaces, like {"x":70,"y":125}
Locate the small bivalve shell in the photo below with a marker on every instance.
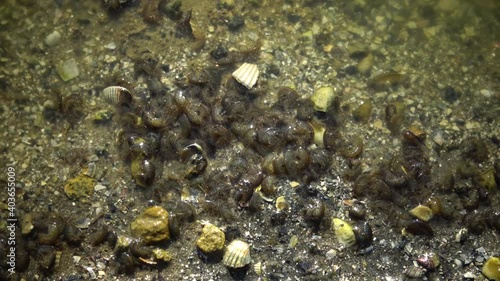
{"x":422,"y":212}
{"x":258,"y":268}
{"x":117,"y":95}
{"x":281,"y":204}
{"x":344,"y":232}
{"x":247,"y":75}
{"x":237,"y":254}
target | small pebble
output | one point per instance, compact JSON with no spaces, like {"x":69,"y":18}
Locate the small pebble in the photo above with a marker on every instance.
{"x":485,"y":93}
{"x":68,"y":70}
{"x":470,"y":275}
{"x":110,"y":46}
{"x":53,"y":39}
{"x":99,"y":187}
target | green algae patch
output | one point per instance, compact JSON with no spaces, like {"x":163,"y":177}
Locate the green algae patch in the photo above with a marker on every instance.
{"x":79,"y":187}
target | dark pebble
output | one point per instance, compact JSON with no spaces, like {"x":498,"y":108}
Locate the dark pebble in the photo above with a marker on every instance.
{"x":219,"y":52}
{"x":278,"y":219}
{"x":293,"y":18}
{"x":273,"y":69}
{"x":351,"y":70}
{"x":236,"y":23}
{"x":450,"y":95}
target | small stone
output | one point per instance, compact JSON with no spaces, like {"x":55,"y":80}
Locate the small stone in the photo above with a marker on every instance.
{"x":152,"y":225}
{"x":102,"y":116}
{"x":162,"y":255}
{"x":110,"y":46}
{"x":27,"y":224}
{"x":331,"y":254}
{"x":99,"y":187}
{"x":76,"y":259}
{"x":486,"y":93}
{"x":486,"y":179}
{"x":365,"y":64}
{"x":229,"y":4}
{"x":236,"y":23}
{"x":422,"y":212}
{"x":470,"y":275}
{"x":53,"y":39}
{"x":378,"y":124}
{"x":68,"y":70}
{"x":363,"y":112}
{"x":123,"y":242}
{"x":438,"y":138}
{"x":491,"y":268}
{"x":323,"y":98}
{"x":211,"y":239}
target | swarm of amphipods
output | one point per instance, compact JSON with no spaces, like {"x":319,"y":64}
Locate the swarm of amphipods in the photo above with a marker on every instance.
{"x":117,"y":95}
{"x":237,"y":254}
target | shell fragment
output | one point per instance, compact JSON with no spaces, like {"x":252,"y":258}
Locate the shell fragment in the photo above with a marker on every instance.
{"x":247,"y":75}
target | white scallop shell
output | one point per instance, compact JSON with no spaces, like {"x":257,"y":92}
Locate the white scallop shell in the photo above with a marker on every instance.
{"x":117,"y":95}
{"x":247,"y":75}
{"x":237,"y":254}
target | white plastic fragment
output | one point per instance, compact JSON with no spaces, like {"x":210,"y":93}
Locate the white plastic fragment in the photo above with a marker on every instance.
{"x":247,"y":75}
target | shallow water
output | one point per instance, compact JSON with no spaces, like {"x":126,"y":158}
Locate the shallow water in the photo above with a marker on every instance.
{"x":408,"y":95}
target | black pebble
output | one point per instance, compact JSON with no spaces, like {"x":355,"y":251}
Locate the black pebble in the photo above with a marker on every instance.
{"x":351,"y":70}
{"x":278,"y":219}
{"x":450,"y":95}
{"x":236,"y":23}
{"x":293,"y":18}
{"x":219,"y":52}
{"x":273,"y":70}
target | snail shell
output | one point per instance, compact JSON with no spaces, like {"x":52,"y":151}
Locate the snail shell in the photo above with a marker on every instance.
{"x":237,"y":254}
{"x":363,"y":234}
{"x":143,"y":172}
{"x":117,"y":95}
